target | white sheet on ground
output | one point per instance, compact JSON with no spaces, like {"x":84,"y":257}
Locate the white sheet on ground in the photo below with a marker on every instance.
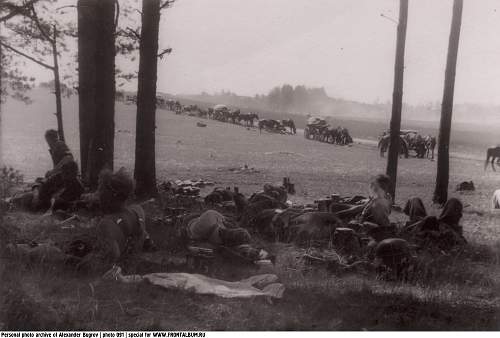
{"x":259,"y":285}
{"x":210,"y":286}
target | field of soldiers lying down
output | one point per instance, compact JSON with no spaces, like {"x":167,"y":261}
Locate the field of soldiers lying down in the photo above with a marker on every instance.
{"x":458,"y":290}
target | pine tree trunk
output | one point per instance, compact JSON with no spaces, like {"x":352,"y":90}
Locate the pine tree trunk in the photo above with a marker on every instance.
{"x":87,"y":36}
{"x":397,"y":98}
{"x":1,"y":105}
{"x":145,"y":168}
{"x":57,"y":88}
{"x":96,"y":61}
{"x":104,"y":130}
{"x":443,"y":162}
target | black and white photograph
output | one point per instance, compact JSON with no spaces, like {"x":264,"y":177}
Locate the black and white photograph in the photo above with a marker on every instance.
{"x":179,"y":168}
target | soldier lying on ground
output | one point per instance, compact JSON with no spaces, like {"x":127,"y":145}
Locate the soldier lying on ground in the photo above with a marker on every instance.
{"x":213,"y":229}
{"x":270,"y":198}
{"x":443,"y":231}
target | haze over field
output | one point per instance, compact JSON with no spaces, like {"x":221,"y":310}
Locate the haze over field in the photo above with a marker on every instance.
{"x":25,"y":124}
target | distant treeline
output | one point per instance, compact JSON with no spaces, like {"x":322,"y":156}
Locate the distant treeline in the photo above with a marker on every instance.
{"x":295,"y":99}
{"x":298,"y":99}
{"x":303,"y":100}
{"x":286,"y":98}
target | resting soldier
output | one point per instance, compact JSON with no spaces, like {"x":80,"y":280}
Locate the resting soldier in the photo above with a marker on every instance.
{"x":60,"y":186}
{"x":55,"y":180}
{"x":59,"y":152}
{"x":444,"y":231}
{"x":213,"y":228}
{"x":122,"y":229}
{"x":376,"y":211}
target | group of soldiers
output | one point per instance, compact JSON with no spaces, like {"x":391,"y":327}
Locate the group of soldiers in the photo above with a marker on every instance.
{"x":358,"y":228}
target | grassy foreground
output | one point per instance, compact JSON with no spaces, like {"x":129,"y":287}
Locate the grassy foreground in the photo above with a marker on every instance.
{"x":457,"y":292}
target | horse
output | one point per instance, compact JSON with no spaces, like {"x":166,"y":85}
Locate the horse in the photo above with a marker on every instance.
{"x":248,"y":118}
{"x":330,"y":135}
{"x":419,"y":145}
{"x":319,"y":132}
{"x":234,"y":116}
{"x":178,"y":107}
{"x":210,"y":113}
{"x":430,"y":145}
{"x":343,"y":137}
{"x":383,"y":145}
{"x":493,"y":154}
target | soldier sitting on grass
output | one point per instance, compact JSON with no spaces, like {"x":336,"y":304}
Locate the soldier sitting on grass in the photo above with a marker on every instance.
{"x":60,"y":186}
{"x":59,"y":152}
{"x":444,"y":232}
{"x":376,"y":211}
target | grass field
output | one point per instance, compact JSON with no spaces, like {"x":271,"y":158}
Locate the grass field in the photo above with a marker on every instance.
{"x":456,"y":293}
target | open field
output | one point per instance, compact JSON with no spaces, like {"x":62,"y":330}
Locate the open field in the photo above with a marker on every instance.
{"x":465,"y":296}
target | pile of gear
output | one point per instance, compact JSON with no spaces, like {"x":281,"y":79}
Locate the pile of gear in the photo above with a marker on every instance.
{"x":182,"y":193}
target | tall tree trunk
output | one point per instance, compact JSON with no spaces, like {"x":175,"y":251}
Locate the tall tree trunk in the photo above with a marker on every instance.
{"x":145,"y":168}
{"x":87,"y":36}
{"x":104,"y":129}
{"x":96,"y":60}
{"x":443,"y":162}
{"x":1,"y":105}
{"x":397,"y":98}
{"x":57,"y":87}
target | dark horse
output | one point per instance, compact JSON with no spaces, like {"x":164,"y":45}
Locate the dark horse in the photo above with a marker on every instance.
{"x":248,"y":118}
{"x":491,"y":155}
{"x":383,"y":146}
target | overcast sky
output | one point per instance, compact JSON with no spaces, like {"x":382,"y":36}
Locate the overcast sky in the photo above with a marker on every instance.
{"x":343,"y":45}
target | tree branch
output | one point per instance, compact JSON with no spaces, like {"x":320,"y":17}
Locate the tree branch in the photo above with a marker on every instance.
{"x":15,"y":10}
{"x":166,"y":4}
{"x":68,"y":6}
{"x":134,"y":33}
{"x":39,"y":25}
{"x":41,"y":63}
{"x":165,"y":51}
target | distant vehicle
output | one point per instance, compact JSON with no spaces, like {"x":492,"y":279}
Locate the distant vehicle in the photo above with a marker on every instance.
{"x":318,"y":129}
{"x":409,"y":140}
{"x":220,"y":108}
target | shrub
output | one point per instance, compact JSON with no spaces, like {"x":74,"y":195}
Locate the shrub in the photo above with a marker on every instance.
{"x":9,"y":179}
